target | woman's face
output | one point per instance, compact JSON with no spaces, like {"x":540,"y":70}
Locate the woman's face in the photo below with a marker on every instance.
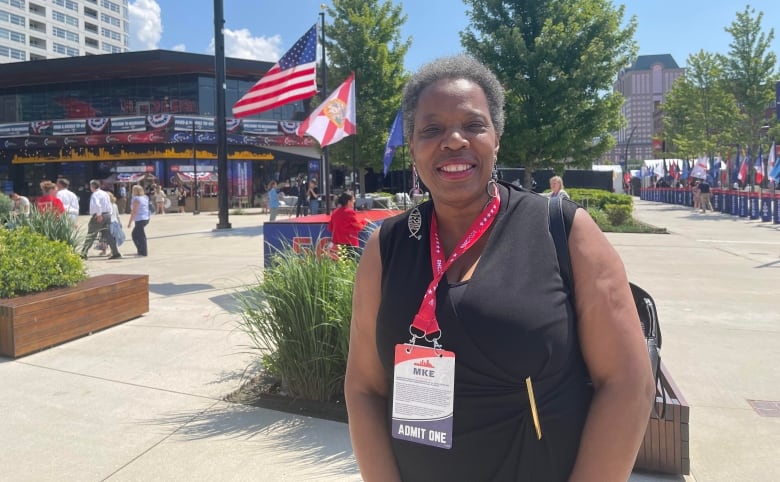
{"x":555,"y":186}
{"x":454,"y":144}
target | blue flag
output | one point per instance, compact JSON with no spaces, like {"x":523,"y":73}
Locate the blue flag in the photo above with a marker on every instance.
{"x":395,"y":139}
{"x":735,"y":171}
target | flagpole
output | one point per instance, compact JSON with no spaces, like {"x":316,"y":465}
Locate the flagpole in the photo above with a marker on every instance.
{"x":325,"y":167}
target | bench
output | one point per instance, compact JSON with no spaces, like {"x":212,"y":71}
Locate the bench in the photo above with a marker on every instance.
{"x":665,"y":447}
{"x":37,"y":321}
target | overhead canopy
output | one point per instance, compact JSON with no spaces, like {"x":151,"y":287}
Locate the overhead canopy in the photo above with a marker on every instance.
{"x":206,"y":176}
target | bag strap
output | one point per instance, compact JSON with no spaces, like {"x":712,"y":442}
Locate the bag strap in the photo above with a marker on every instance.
{"x":557,"y":226}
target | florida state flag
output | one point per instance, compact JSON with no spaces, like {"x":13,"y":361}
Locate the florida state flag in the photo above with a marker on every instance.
{"x":334,"y":119}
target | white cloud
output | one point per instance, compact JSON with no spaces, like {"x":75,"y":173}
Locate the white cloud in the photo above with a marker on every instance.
{"x":145,"y":25}
{"x":241,"y":44}
{"x":179,"y":48}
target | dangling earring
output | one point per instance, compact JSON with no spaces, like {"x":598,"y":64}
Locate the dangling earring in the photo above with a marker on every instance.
{"x":414,"y":222}
{"x":492,"y":185}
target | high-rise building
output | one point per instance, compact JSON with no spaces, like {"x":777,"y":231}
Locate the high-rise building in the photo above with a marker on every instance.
{"x":644,"y":85}
{"x":48,"y":29}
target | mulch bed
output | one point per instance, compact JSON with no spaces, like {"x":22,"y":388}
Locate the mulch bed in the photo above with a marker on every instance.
{"x":265,"y":391}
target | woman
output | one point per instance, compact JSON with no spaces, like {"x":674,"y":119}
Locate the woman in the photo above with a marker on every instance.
{"x":140,"y":215}
{"x":475,"y":272}
{"x":273,"y":201}
{"x":345,"y":226}
{"x":313,"y":195}
{"x":49,"y":201}
{"x":159,"y":199}
{"x":556,"y":187}
{"x":181,"y":198}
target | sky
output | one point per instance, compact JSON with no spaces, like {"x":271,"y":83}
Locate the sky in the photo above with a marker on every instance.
{"x":265,"y":30}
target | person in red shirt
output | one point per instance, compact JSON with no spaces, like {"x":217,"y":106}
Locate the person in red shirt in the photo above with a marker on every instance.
{"x":49,"y":201}
{"x":344,"y":224}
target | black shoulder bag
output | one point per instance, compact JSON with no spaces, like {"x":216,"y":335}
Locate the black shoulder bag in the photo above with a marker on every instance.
{"x":644,"y":303}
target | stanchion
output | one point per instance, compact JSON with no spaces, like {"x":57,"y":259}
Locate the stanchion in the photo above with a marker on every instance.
{"x":766,"y":207}
{"x":754,"y":211}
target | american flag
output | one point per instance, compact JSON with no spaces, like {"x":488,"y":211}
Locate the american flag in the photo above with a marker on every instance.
{"x":293,"y":78}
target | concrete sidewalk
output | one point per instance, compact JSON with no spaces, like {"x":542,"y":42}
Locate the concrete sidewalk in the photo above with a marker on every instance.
{"x":143,"y":400}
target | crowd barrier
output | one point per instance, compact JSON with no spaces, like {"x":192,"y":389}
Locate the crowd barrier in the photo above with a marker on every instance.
{"x":764,"y":206}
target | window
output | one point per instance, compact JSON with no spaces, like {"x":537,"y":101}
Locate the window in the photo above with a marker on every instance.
{"x":112,"y":49}
{"x":13,"y":3}
{"x":108,"y":33}
{"x":11,"y":18}
{"x":65,"y":50}
{"x":12,"y":36}
{"x":12,"y":53}
{"x":66,"y":34}
{"x":110,"y":19}
{"x":69,"y":4}
{"x":114,"y":7}
{"x":64,"y":18}
{"x":91,"y":13}
{"x":90,"y":42}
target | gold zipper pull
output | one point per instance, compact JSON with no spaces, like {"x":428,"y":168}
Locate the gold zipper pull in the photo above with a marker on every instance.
{"x":534,"y":413}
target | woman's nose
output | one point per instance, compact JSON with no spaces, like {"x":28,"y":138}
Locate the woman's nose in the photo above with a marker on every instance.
{"x":454,"y":140}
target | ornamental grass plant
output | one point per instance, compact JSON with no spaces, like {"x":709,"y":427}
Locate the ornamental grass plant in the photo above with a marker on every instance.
{"x":297,"y":318}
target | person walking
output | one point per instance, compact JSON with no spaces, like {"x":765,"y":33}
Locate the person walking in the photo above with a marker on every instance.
{"x":139,"y":214}
{"x":68,"y":198}
{"x":704,"y":196}
{"x":273,"y":201}
{"x":181,"y":198}
{"x":99,"y":220}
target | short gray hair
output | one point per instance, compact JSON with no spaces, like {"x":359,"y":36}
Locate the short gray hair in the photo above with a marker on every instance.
{"x":455,"y":67}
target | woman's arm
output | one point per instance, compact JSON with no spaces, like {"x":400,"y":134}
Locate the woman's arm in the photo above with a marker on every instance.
{"x":365,"y":386}
{"x":615,"y":353}
{"x":133,"y":211}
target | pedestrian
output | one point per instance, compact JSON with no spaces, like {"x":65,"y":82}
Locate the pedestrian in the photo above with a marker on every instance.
{"x":468,"y":358}
{"x":273,"y":201}
{"x":139,"y":214}
{"x":696,"y":196}
{"x":302,"y":203}
{"x":68,"y":198}
{"x":556,"y":187}
{"x":313,"y":195}
{"x":49,"y":200}
{"x":21,"y":205}
{"x":99,"y":220}
{"x":181,"y":198}
{"x":704,"y":196}
{"x":345,"y":226}
{"x":159,"y":199}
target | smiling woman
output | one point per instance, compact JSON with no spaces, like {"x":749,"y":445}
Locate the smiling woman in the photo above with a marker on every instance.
{"x":493,"y":328}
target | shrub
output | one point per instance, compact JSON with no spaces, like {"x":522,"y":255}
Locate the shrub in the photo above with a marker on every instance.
{"x":597,"y":198}
{"x":298,"y":318}
{"x":617,"y":213}
{"x":6,"y":205}
{"x":30,"y":262}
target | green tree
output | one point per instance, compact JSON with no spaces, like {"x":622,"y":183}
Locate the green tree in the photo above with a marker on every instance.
{"x":751,"y":72}
{"x":365,"y":38}
{"x":701,"y":114}
{"x":557,"y":60}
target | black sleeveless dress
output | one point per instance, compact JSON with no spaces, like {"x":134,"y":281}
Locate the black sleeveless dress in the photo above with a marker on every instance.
{"x":511,"y":320}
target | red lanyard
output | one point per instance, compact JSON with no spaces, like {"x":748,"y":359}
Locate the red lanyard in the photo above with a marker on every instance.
{"x":425,"y":319}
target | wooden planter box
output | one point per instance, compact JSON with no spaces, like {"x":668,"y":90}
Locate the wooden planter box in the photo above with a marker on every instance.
{"x":665,"y":447}
{"x":30,"y":323}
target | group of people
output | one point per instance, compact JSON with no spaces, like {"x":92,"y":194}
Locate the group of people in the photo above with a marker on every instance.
{"x":104,"y":224}
{"x":104,"y":220}
{"x":470,"y":357}
{"x":701,"y":196}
